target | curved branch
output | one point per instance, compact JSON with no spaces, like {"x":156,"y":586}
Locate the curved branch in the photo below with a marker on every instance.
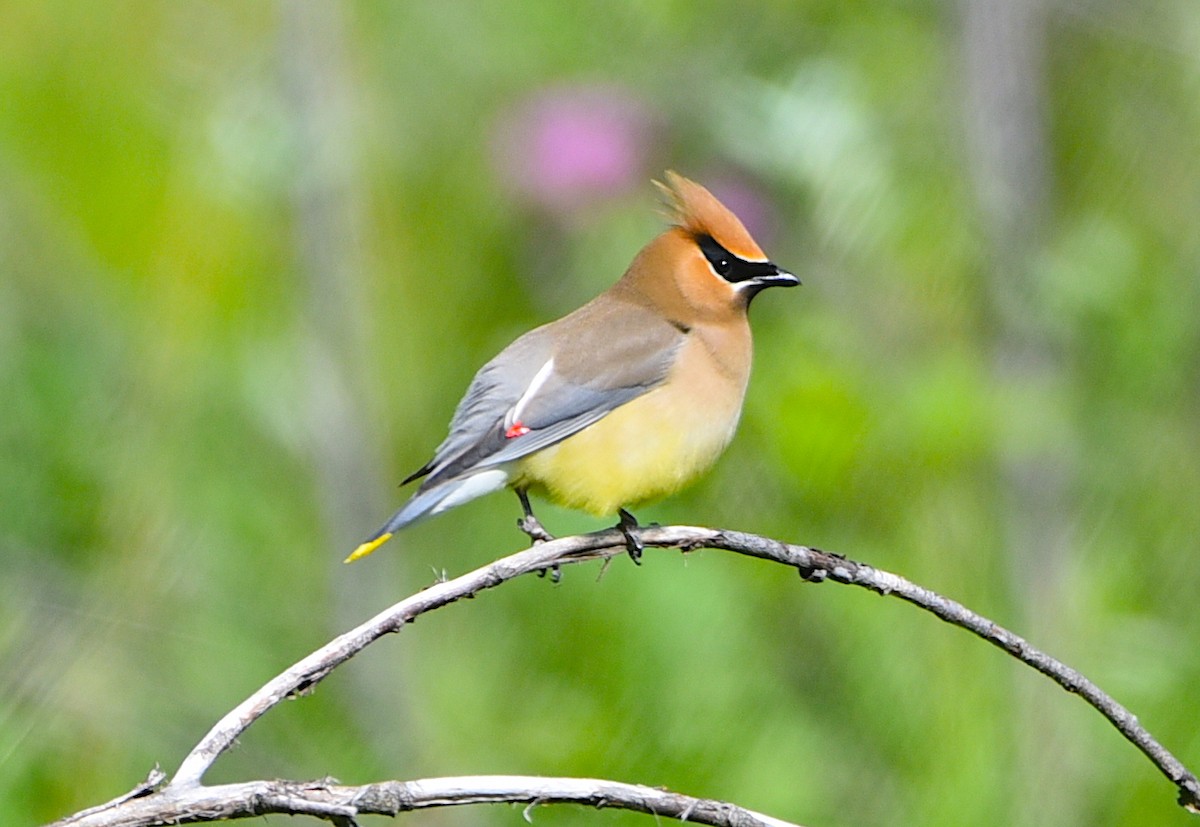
{"x":312,"y":669}
{"x":338,"y":803}
{"x":816,"y":564}
{"x":813,"y":564}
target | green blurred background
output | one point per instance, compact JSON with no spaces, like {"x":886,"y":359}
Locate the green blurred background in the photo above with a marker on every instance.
{"x":252,"y":253}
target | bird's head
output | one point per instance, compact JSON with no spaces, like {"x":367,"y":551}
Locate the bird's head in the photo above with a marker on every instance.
{"x":707,"y":258}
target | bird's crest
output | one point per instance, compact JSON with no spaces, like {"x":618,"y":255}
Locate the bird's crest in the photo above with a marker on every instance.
{"x":696,"y":210}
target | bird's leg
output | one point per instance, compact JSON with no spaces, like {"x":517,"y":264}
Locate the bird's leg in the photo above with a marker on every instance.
{"x":529,"y":523}
{"x":632,"y":544}
{"x":533,"y":527}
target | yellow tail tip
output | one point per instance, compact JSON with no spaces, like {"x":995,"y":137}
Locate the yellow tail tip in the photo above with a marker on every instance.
{"x":367,"y":547}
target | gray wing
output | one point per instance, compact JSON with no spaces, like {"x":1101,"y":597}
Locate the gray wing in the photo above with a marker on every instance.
{"x":555,"y":381}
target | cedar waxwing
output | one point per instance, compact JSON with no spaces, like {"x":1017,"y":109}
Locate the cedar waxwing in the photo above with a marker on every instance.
{"x":626,"y":399}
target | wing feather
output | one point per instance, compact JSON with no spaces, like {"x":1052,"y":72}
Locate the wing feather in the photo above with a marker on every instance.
{"x":605,"y":354}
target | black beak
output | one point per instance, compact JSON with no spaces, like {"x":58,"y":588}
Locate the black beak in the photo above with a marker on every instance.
{"x":767,"y":275}
{"x":779,"y":278}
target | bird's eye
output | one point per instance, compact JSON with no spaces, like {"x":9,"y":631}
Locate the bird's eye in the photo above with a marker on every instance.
{"x":731,"y":268}
{"x":720,"y":258}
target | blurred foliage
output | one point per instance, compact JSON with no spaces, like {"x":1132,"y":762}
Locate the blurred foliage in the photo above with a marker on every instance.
{"x":251,"y":254}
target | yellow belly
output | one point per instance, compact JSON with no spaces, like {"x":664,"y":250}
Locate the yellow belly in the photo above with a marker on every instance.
{"x":646,"y":449}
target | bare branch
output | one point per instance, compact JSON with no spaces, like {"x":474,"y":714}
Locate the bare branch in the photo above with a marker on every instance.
{"x":335,"y":802}
{"x":816,"y":564}
{"x":813,"y":564}
{"x":152,"y":782}
{"x":308,"y":672}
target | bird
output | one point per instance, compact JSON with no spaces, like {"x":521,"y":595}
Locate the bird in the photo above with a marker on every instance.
{"x":622,"y":401}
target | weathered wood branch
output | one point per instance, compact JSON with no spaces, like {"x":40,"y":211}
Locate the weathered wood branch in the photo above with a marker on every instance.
{"x":341,"y":804}
{"x":814,"y":565}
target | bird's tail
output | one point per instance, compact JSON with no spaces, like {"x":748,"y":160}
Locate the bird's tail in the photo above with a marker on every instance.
{"x":432,"y":500}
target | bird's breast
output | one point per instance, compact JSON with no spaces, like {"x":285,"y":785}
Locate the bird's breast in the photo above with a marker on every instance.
{"x":655,"y":444}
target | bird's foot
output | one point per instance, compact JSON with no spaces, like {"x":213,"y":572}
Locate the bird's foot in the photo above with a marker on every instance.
{"x":532,"y":526}
{"x":818,"y":574}
{"x":633,"y":543}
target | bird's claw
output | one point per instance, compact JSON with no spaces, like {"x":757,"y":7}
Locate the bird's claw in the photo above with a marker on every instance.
{"x":533,"y":527}
{"x":530,"y":525}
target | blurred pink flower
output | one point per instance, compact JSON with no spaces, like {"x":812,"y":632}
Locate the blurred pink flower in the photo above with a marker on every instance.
{"x":568,"y":146}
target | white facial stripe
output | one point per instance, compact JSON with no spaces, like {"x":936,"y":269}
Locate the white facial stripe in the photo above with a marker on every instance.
{"x":742,"y":285}
{"x":539,"y":379}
